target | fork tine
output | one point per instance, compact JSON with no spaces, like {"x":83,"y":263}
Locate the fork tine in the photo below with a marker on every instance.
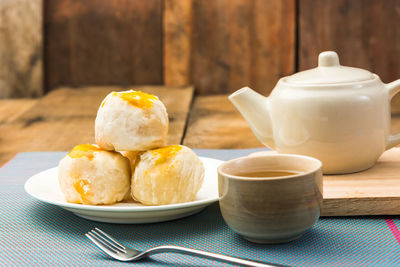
{"x":110,"y":238}
{"x":107,"y":241}
{"x":101,"y":245}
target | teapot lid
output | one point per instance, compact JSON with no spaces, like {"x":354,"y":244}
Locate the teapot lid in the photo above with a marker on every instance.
{"x":329,"y":71}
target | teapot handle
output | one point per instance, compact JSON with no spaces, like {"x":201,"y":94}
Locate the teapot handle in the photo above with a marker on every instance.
{"x":393,"y":88}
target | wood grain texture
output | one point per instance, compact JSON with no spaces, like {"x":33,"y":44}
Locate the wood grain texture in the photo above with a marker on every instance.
{"x":177,"y":25}
{"x":365,"y":33}
{"x":237,"y":43}
{"x":21,"y":45}
{"x":372,"y":192}
{"x":215,"y":123}
{"x":65,"y":117}
{"x":375,"y":191}
{"x":12,"y":109}
{"x":98,"y":42}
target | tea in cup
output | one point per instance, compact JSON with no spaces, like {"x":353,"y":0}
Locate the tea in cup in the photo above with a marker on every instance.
{"x":270,"y":198}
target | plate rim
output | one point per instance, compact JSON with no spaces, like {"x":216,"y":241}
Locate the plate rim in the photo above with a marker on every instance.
{"x":106,"y":208}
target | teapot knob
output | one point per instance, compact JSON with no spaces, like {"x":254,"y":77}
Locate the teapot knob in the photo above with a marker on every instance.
{"x":328,"y":59}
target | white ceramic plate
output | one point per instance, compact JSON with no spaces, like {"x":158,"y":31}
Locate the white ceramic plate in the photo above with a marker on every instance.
{"x":44,"y":187}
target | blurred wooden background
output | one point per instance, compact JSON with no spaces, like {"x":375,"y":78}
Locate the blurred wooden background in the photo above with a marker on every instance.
{"x":218,"y":46}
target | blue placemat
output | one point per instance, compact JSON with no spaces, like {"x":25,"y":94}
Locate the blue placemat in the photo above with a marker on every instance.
{"x":37,"y":234}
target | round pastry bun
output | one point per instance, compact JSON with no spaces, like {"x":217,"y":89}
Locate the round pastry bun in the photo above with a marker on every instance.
{"x":171,"y":174}
{"x":90,"y":175}
{"x":131,"y":121}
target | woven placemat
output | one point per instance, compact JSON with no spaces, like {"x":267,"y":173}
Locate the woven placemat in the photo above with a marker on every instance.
{"x":37,"y":234}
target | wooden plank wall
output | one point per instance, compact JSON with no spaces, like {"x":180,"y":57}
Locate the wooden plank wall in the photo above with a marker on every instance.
{"x":223,"y":45}
{"x":21,"y":44}
{"x":99,"y":42}
{"x":238,"y":43}
{"x":218,"y":46}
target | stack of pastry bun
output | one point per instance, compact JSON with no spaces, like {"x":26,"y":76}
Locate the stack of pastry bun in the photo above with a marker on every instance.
{"x":130,"y":159}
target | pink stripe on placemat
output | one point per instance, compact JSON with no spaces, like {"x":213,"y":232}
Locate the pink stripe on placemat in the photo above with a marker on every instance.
{"x":394,"y":229}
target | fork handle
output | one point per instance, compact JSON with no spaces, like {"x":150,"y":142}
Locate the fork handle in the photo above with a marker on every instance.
{"x":209,"y":255}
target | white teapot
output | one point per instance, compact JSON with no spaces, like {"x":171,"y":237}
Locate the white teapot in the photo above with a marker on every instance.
{"x":338,"y":114}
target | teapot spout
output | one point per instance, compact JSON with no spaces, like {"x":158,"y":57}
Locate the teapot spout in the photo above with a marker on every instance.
{"x":255,"y":110}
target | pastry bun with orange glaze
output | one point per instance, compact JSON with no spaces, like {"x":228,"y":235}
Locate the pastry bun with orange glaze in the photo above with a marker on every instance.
{"x":171,"y":174}
{"x":90,"y":175}
{"x":131,"y":121}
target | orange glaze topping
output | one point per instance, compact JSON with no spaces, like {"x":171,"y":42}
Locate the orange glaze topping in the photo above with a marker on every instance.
{"x":137,"y":98}
{"x":82,"y":187}
{"x":84,"y":150}
{"x":165,"y":153}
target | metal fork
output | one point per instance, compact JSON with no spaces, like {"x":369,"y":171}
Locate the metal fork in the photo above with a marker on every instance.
{"x":123,"y":253}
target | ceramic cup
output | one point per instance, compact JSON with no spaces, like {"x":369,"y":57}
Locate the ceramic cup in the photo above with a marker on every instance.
{"x":270,"y":209}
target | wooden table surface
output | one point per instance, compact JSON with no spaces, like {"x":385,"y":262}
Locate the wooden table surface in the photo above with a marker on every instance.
{"x":65,"y":117}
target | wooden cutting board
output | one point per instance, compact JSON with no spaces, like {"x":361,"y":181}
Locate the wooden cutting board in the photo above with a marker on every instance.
{"x":375,"y":191}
